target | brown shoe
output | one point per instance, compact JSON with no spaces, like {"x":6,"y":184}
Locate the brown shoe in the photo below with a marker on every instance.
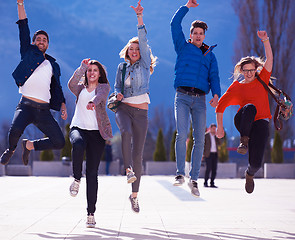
{"x":243,"y":147}
{"x":26,"y":152}
{"x":249,"y":185}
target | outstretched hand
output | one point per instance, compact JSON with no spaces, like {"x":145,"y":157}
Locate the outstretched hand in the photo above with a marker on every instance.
{"x":262,"y":35}
{"x":192,"y":3}
{"x":138,"y":9}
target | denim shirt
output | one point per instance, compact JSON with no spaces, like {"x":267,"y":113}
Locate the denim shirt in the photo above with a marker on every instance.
{"x":139,"y":71}
{"x":31,"y":58}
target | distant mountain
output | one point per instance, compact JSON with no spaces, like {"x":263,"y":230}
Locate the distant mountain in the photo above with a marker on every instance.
{"x":100,"y":29}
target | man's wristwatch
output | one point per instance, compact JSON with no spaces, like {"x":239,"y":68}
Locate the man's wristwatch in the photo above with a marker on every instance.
{"x":20,"y":3}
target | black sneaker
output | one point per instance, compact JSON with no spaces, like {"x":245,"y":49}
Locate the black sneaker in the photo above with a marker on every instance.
{"x":5,"y":157}
{"x":26,"y":152}
{"x":206,"y":184}
{"x":134,"y":204}
{"x":179,"y":180}
{"x":213,"y":186}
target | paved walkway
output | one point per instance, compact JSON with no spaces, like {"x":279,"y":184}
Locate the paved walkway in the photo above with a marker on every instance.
{"x":34,"y":208}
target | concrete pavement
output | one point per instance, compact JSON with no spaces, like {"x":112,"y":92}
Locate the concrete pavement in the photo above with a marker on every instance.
{"x":33,"y":208}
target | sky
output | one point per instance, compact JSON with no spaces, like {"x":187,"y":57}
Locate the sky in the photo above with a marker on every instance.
{"x":100,"y":29}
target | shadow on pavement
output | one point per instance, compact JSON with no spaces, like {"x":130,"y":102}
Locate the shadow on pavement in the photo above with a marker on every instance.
{"x":156,"y":234}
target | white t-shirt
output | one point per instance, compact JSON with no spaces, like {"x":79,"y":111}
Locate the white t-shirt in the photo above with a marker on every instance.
{"x":143,"y":98}
{"x":213,"y":143}
{"x":84,"y":118}
{"x":38,"y":84}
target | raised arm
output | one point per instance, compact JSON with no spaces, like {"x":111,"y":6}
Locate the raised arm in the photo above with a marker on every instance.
{"x":138,"y":10}
{"x":178,"y":37}
{"x":267,"y":48}
{"x":78,"y":74}
{"x":143,"y":45}
{"x":21,"y":10}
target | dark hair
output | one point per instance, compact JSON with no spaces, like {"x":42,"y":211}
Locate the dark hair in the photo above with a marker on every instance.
{"x":198,"y":24}
{"x":213,"y":125}
{"x":102,"y":72}
{"x":40,"y":32}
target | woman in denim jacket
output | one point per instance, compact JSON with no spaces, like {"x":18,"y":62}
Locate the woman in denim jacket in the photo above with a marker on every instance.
{"x":132,"y":113}
{"x":90,"y":127}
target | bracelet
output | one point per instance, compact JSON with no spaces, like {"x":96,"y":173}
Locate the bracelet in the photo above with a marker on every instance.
{"x":20,"y":3}
{"x":139,"y":15}
{"x":264,"y":40}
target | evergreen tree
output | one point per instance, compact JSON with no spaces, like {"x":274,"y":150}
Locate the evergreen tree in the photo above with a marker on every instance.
{"x":67,"y":149}
{"x":222,"y":150}
{"x":189,"y":145}
{"x":46,"y":155}
{"x":160,"y":152}
{"x":277,"y":149}
{"x":172,"y":147}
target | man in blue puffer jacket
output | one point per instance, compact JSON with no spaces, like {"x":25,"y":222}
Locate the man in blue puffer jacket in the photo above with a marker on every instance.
{"x":196,"y":72}
{"x":37,"y":76}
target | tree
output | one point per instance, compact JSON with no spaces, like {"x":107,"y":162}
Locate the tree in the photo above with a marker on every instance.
{"x":160,"y":152}
{"x":277,"y":149}
{"x":278,"y":19}
{"x":67,"y":149}
{"x":149,"y":146}
{"x":46,"y":155}
{"x":172,"y":147}
{"x":222,"y":150}
{"x":189,"y":145}
{"x":161,"y":118}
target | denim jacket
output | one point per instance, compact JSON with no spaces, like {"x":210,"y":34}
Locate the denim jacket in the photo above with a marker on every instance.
{"x":139,"y":72}
{"x":31,"y":58}
{"x":193,"y":68}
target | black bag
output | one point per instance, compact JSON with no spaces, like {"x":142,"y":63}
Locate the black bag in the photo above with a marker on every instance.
{"x":113,"y":103}
{"x":284,"y":109}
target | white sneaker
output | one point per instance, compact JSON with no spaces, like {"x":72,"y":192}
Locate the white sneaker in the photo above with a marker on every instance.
{"x":131,"y":178}
{"x":90,"y":221}
{"x":74,"y":188}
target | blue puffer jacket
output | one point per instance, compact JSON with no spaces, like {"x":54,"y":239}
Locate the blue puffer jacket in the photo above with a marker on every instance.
{"x":31,"y":58}
{"x":193,"y":68}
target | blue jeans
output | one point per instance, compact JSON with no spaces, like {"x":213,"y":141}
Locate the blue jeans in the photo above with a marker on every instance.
{"x":39,"y":114}
{"x":184,"y":106}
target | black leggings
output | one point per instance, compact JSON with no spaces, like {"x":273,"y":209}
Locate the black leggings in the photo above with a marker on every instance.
{"x":91,"y":142}
{"x":257,"y":131}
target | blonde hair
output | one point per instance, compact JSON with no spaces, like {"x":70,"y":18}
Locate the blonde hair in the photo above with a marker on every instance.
{"x":258,"y":63}
{"x":124,"y":53}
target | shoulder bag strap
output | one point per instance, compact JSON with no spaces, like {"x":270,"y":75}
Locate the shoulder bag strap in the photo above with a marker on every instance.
{"x":277,"y":122}
{"x":267,"y":89}
{"x":123,"y":77}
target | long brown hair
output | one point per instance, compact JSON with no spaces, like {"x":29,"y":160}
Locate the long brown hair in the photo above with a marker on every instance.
{"x":124,"y":53}
{"x":102,"y":72}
